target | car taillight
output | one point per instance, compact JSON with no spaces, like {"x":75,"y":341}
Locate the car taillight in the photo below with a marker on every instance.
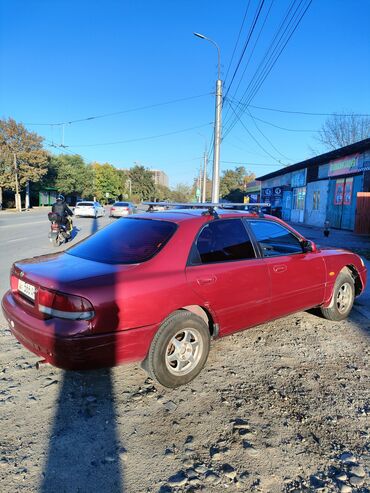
{"x":62,"y":305}
{"x":125,"y":208}
{"x":13,"y":283}
{"x":113,"y":208}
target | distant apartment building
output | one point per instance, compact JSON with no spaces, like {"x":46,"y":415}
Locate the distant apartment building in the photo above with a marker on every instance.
{"x":159,"y":177}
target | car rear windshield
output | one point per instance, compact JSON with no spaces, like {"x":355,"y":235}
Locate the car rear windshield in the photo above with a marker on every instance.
{"x":121,"y":204}
{"x":88,"y":204}
{"x":128,"y":241}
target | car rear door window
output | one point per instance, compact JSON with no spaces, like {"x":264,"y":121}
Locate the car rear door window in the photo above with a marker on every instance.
{"x":222,"y":241}
{"x":127,"y":241}
{"x":274,"y":239}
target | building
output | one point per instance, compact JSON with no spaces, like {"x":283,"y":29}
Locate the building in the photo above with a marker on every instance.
{"x":159,"y":177}
{"x":333,"y":187}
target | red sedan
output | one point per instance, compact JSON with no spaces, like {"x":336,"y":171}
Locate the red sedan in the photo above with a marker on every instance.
{"x":158,"y":286}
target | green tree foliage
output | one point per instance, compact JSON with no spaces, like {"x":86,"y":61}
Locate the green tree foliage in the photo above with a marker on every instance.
{"x":233,"y":182}
{"x":107,"y":181}
{"x":162,"y":193}
{"x":69,"y":174}
{"x":182,"y":193}
{"x":31,"y":159}
{"x":142,"y":183}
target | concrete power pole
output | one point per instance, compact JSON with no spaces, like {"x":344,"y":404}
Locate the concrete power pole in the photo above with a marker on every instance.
{"x":217,"y":143}
{"x":18,"y":204}
{"x":204,"y":191}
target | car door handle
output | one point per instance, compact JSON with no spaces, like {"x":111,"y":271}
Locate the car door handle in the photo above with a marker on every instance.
{"x":206,"y":280}
{"x":279,"y":268}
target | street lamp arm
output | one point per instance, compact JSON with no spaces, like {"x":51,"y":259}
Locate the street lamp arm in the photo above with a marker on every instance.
{"x":218,"y":51}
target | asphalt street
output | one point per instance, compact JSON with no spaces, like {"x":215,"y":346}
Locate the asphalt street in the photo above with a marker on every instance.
{"x":24,"y":235}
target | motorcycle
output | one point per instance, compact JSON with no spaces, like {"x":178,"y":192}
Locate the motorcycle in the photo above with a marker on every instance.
{"x":59,"y":232}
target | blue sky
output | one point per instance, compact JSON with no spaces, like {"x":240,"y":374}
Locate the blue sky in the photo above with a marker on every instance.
{"x":66,"y":60}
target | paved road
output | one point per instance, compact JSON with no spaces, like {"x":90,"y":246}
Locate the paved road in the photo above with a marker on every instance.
{"x":25,"y":234}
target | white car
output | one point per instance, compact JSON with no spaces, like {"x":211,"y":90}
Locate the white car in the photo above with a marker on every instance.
{"x":89,"y":208}
{"x":120,"y":209}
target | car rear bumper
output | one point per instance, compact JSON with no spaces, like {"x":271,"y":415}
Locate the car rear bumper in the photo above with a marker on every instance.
{"x":75,"y":352}
{"x":120,"y":214}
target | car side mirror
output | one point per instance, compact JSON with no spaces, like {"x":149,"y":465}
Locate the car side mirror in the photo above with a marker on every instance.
{"x":309,"y":246}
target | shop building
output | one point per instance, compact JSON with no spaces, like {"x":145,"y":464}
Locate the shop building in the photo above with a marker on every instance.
{"x":333,"y":187}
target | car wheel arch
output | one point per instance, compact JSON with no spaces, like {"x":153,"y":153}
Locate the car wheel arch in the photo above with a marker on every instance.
{"x":356,"y":278}
{"x":202,"y":313}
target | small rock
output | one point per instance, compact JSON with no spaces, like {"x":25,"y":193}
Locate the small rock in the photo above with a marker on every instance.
{"x":137,"y":396}
{"x":342,"y":476}
{"x":191,"y":474}
{"x":348,"y":458}
{"x":358,"y":471}
{"x":316,"y":482}
{"x":200,"y":468}
{"x":212,"y":477}
{"x":356,"y":481}
{"x":109,"y":458}
{"x":178,"y":479}
{"x":170,"y":406}
{"x":345,"y":489}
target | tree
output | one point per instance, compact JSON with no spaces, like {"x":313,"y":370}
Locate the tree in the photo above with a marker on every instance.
{"x":22,"y":158}
{"x":182,"y":193}
{"x":233,"y":182}
{"x":142,"y":183}
{"x":339,"y":131}
{"x":69,"y":174}
{"x":107,"y":181}
{"x":162,"y":193}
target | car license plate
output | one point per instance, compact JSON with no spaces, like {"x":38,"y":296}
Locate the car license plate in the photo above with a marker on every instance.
{"x":26,"y":289}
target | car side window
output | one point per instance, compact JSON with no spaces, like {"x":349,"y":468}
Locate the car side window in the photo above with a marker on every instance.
{"x":274,"y":239}
{"x":221,"y":241}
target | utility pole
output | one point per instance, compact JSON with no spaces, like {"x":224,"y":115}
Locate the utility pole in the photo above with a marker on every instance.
{"x":204,"y":192}
{"x":17,"y":195}
{"x":217,"y":127}
{"x":216,"y":152}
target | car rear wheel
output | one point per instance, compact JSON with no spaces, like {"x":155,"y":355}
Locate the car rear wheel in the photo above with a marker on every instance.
{"x":343,"y":298}
{"x":179,"y":349}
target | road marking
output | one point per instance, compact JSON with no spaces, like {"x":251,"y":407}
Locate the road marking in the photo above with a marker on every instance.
{"x":18,"y":239}
{"x":23,"y":224}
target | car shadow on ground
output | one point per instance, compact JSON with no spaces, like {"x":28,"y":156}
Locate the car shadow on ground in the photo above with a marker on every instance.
{"x":84,"y":448}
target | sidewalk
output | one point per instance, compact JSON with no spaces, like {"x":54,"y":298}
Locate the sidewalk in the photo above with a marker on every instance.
{"x":339,"y":238}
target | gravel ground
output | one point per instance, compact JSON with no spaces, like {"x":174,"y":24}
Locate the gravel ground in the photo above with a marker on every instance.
{"x":282,"y":407}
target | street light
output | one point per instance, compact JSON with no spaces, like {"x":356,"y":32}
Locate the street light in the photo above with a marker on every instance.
{"x":217,"y":137}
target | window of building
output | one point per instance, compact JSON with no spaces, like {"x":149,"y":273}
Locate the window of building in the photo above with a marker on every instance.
{"x":274,"y":239}
{"x":316,"y":201}
{"x":223,"y":241}
{"x":299,"y":195}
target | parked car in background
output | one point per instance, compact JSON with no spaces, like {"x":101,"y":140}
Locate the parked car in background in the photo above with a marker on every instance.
{"x":120,"y":209}
{"x":89,"y":208}
{"x":157,"y":287}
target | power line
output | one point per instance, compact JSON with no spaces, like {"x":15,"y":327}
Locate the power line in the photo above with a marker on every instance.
{"x":266,"y":138}
{"x":308,"y":113}
{"x":255,"y":140}
{"x":104,"y":115}
{"x":250,"y":164}
{"x":256,"y":17}
{"x":237,"y":41}
{"x":276,"y":50}
{"x":140,"y":138}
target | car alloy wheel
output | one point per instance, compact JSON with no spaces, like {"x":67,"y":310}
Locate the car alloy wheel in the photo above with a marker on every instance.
{"x":184,"y":351}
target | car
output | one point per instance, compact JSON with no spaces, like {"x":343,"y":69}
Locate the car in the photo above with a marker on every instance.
{"x":89,"y":208}
{"x":158,"y":287}
{"x":120,"y":209}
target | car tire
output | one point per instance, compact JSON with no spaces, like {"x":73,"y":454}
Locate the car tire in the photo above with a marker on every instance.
{"x":179,"y":349}
{"x":342,"y":299}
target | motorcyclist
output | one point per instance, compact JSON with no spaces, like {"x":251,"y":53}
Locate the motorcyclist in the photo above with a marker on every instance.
{"x":61,"y":208}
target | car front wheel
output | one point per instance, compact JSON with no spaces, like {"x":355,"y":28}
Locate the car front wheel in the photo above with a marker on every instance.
{"x":343,"y":298}
{"x":179,"y":349}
